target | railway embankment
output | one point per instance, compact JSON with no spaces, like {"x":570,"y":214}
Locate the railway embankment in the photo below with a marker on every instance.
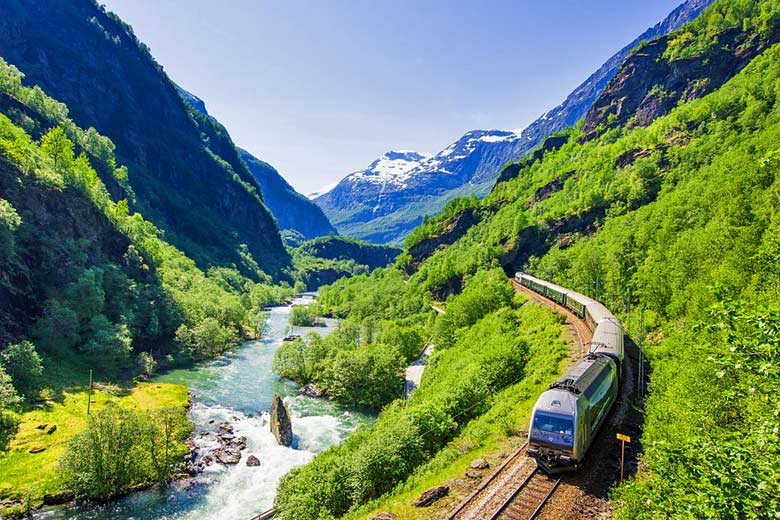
{"x":517,"y":490}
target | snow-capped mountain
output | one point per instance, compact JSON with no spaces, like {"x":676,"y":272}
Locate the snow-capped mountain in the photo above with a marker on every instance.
{"x":384,"y":202}
{"x":392,"y":169}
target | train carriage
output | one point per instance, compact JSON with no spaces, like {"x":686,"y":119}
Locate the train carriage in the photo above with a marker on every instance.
{"x":568,"y":415}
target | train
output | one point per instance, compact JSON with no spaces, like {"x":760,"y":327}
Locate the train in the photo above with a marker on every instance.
{"x":567,"y":416}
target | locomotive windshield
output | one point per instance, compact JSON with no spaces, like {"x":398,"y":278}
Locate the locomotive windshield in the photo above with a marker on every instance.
{"x":553,"y":423}
{"x":553,"y":429}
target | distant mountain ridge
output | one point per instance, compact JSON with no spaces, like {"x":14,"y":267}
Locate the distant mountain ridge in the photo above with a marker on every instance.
{"x":292,"y":210}
{"x":379,"y":207}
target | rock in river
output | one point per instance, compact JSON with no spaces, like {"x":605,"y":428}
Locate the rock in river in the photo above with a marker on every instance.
{"x":309,"y":390}
{"x":280,"y":422}
{"x":252,"y":461}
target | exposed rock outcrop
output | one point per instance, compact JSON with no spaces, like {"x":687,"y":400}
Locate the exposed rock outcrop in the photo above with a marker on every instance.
{"x":650,"y":84}
{"x":310,"y":390}
{"x":383,"y":516}
{"x":281,"y":426}
{"x":432,"y":495}
{"x":479,"y":464}
{"x":451,"y":230}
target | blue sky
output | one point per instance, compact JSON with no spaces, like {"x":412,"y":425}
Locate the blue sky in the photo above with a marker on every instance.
{"x":320,"y":89}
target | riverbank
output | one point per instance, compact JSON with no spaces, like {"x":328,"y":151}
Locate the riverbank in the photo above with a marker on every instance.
{"x":29,"y":475}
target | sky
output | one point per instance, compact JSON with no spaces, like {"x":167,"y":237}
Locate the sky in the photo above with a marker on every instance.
{"x":320,"y":89}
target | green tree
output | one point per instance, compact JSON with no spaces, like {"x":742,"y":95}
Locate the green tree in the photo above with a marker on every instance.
{"x":8,"y":396}
{"x":108,"y":344}
{"x":301,"y":360}
{"x":303,"y":315}
{"x":56,"y":144}
{"x":104,"y":460}
{"x":371,"y":375}
{"x":86,"y":295}
{"x":9,"y":223}
{"x":164,"y":431}
{"x":58,"y":328}
{"x":145,"y":364}
{"x":23,"y":364}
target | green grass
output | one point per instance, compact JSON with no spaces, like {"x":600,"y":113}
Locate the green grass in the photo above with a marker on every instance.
{"x":25,"y":475}
{"x":493,"y":434}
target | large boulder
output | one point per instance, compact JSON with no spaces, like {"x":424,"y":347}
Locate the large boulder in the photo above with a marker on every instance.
{"x":281,"y":426}
{"x":432,"y":495}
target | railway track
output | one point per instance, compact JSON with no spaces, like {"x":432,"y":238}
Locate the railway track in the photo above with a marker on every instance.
{"x":584,"y":334}
{"x":493,"y":491}
{"x":527,"y":501}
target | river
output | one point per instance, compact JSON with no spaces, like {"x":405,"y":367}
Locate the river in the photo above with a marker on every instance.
{"x":237,"y":388}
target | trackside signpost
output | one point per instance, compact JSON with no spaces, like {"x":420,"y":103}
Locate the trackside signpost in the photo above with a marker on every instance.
{"x":623,"y":440}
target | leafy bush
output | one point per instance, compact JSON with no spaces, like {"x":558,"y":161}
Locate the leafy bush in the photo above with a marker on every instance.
{"x":371,"y":375}
{"x":23,"y":364}
{"x":303,"y":315}
{"x":121,"y":448}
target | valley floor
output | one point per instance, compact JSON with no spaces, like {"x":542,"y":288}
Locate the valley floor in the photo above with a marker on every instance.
{"x":29,"y":472}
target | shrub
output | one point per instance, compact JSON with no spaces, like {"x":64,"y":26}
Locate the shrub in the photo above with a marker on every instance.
{"x":121,"y":448}
{"x":23,"y":364}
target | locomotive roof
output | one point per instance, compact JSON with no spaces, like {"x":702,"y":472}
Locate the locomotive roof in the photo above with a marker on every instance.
{"x":581,"y":375}
{"x":557,"y":401}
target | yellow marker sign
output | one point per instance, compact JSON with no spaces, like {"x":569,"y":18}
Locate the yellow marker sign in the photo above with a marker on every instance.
{"x":625,"y":439}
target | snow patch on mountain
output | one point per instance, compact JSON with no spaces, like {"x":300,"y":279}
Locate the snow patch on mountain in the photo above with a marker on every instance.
{"x":393,"y":168}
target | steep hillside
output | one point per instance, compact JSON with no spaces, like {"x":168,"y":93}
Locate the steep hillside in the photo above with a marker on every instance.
{"x":343,"y":248}
{"x":324,"y":260}
{"x":374,"y":206}
{"x":76,"y":263}
{"x":678,"y":217}
{"x":292,"y":210}
{"x":184,"y":169}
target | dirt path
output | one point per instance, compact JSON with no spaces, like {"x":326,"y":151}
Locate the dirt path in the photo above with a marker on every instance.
{"x":415,"y":371}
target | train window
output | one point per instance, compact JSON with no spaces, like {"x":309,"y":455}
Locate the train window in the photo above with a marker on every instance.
{"x":553,"y":423}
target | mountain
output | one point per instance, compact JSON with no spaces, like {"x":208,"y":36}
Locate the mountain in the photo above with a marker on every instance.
{"x":363,"y":207}
{"x":385,"y":201}
{"x":184,"y":170}
{"x":293,"y":211}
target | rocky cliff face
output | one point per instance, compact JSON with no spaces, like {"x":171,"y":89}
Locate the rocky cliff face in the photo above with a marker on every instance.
{"x":281,"y":426}
{"x":52,"y":221}
{"x":292,"y":210}
{"x":384,"y":209}
{"x":577,"y":104}
{"x":651,"y":82}
{"x":184,"y":169}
